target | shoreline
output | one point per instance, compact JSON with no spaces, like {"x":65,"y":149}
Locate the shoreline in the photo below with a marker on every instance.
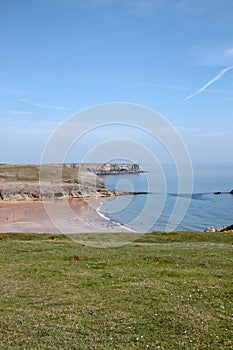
{"x":111,"y":221}
{"x":31,"y":216}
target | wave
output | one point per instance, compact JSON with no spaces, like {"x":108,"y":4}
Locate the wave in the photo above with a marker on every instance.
{"x":101,"y":214}
{"x":112,"y":222}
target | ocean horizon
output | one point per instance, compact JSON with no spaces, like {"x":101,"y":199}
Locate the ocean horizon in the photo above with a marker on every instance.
{"x":198,"y":209}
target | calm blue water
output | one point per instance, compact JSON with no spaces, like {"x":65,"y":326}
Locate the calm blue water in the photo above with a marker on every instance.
{"x":194,"y":212}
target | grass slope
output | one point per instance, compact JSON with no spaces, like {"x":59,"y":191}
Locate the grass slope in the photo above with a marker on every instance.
{"x":19,"y":172}
{"x":165,"y":291}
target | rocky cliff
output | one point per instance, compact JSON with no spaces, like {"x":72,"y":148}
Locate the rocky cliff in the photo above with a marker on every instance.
{"x":85,"y":185}
{"x":105,"y":168}
{"x":22,"y":191}
{"x":21,"y":182}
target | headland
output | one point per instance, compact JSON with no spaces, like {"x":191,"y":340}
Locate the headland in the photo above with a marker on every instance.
{"x":24,"y":189}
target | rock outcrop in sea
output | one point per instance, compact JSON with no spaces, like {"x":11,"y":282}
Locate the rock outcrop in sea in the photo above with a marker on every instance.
{"x":219,"y":229}
{"x":105,"y":168}
{"x":213,"y":229}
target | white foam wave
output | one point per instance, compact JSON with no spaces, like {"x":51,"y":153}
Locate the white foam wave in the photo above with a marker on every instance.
{"x":113,"y":222}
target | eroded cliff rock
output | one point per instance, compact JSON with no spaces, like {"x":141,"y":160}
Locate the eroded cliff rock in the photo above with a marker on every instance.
{"x":29,"y":182}
{"x":105,"y":168}
{"x":85,"y":185}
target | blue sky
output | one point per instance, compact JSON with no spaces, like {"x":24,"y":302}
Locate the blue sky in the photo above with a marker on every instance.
{"x":62,"y":56}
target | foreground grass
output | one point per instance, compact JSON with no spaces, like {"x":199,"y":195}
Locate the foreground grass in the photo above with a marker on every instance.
{"x":166,"y":291}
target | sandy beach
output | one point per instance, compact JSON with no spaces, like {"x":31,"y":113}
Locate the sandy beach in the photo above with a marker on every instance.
{"x":31,"y":216}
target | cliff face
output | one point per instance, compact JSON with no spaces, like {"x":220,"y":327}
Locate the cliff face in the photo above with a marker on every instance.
{"x":24,"y":192}
{"x":106,"y":168}
{"x":86,"y":185}
{"x":21,"y":182}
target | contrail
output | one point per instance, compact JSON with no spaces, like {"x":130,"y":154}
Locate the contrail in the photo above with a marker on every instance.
{"x":217,"y":77}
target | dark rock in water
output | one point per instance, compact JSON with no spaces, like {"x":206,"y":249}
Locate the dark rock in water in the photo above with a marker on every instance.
{"x":231,"y":192}
{"x":217,"y":192}
{"x":227,"y":228}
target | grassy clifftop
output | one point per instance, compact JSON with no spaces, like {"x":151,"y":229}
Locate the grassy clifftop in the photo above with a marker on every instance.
{"x":27,"y":172}
{"x":11,"y":172}
{"x":165,"y":291}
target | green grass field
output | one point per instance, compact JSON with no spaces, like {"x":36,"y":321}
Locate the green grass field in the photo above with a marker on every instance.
{"x":28,"y":173}
{"x":165,"y":291}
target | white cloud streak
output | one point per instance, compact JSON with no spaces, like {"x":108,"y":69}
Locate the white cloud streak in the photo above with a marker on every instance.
{"x":229,"y":53}
{"x":135,"y":6}
{"x":216,"y":134}
{"x":216,"y":78}
{"x":196,"y":6}
{"x":15,"y":111}
{"x":41,"y":105}
{"x":212,"y":56}
{"x":172,"y":87}
{"x":186,"y":129}
{"x":27,"y":127}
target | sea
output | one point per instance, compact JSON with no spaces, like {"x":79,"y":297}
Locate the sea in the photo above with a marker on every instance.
{"x":166,"y":208}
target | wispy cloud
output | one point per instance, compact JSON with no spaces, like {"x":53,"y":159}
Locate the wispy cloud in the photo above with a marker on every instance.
{"x":212,"y":56}
{"x":229,"y":53}
{"x":15,"y":111}
{"x":103,"y":3}
{"x":188,"y":5}
{"x":135,"y":6}
{"x":186,"y":129}
{"x":165,"y":86}
{"x":215,"y":134}
{"x":196,"y":6}
{"x":27,"y":126}
{"x":216,"y":78}
{"x":42,"y":105}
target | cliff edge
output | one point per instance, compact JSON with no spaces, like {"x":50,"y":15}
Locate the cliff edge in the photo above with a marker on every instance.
{"x":34,"y":182}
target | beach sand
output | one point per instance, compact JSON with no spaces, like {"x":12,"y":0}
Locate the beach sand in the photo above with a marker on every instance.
{"x":71,"y":216}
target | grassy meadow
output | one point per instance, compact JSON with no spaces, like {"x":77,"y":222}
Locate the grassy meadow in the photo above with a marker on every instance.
{"x":164,"y":291}
{"x":28,"y":173}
